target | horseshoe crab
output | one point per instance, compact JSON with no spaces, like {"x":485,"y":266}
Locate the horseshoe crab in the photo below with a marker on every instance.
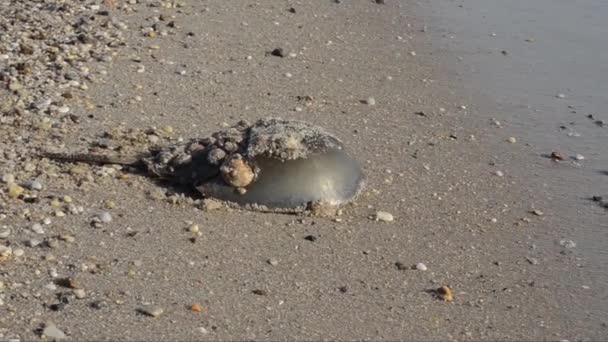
{"x":271,"y":165}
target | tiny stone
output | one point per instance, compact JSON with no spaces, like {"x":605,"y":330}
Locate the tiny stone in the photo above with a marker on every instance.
{"x":8,"y":178}
{"x":52,"y":332}
{"x":211,"y":204}
{"x":152,"y":311}
{"x":532,"y":261}
{"x":560,"y":96}
{"x":537,"y":212}
{"x":33,"y":185}
{"x":512,"y":140}
{"x":384,"y":216}
{"x":63,"y":109}
{"x":194,"y":228}
{"x":499,"y":173}
{"x":33,"y":242}
{"x":105,"y":217}
{"x":278,"y":52}
{"x":567,"y":243}
{"x":370,"y":101}
{"x":579,"y":157}
{"x":37,"y":228}
{"x":18,"y":252}
{"x":5,"y":233}
{"x":401,"y":266}
{"x":421,"y":267}
{"x":273,"y":261}
{"x":311,"y":238}
{"x":14,"y":190}
{"x":79,"y":293}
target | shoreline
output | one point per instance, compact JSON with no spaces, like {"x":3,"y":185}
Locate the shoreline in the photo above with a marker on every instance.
{"x":258,"y":275}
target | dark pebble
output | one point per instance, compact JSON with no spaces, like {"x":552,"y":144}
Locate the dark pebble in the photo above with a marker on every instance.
{"x":260,"y":292}
{"x":278,"y":52}
{"x":400,"y":266}
{"x":310,"y":238}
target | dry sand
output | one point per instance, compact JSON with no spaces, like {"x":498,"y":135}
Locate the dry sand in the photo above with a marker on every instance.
{"x":428,"y":161}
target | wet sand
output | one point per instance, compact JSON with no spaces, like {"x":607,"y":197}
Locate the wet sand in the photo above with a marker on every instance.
{"x":536,"y":69}
{"x":462,"y":204}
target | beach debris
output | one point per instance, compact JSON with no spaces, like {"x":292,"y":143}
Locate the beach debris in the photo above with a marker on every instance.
{"x":271,"y":165}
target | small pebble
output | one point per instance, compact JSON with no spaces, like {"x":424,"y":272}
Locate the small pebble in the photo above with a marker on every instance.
{"x":532,"y":261}
{"x":421,"y":267}
{"x":14,"y":190}
{"x":194,"y":228}
{"x":18,"y":252}
{"x":79,"y":293}
{"x":33,"y":185}
{"x":499,"y":173}
{"x":567,"y":243}
{"x":50,"y":331}
{"x":384,"y":216}
{"x":560,"y":96}
{"x":579,"y":157}
{"x":5,"y":233}
{"x":512,"y":140}
{"x":37,"y":228}
{"x":8,"y":178}
{"x":273,"y":261}
{"x":370,"y":101}
{"x":152,"y":311}
{"x":105,"y":217}
{"x":537,"y":212}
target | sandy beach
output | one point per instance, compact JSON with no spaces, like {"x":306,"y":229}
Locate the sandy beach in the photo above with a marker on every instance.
{"x":92,"y":252}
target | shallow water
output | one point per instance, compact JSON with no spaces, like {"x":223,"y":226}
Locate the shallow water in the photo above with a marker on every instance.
{"x":539,"y":67}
